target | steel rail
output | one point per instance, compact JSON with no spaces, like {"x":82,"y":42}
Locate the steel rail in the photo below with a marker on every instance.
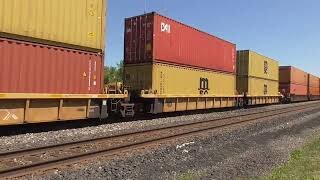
{"x":98,"y":148}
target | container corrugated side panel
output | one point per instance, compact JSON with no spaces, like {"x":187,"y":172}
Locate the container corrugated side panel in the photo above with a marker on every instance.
{"x":262,"y":87}
{"x":293,"y":89}
{"x":257,"y":75}
{"x":255,"y":65}
{"x":257,"y":86}
{"x":298,"y":76}
{"x":290,"y":74}
{"x":178,"y":43}
{"x":138,"y":39}
{"x":34,"y":68}
{"x":313,"y":85}
{"x":68,"y":23}
{"x":169,"y":80}
{"x":263,"y":67}
{"x":314,"y":81}
{"x":152,"y":37}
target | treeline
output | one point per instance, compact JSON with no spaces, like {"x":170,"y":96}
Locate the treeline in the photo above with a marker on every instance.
{"x":113,"y":74}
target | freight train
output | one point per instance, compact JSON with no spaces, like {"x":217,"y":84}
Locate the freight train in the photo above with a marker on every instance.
{"x":54,"y":71}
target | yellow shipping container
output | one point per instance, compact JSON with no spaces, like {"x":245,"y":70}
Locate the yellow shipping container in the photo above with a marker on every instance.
{"x":257,"y":86}
{"x":176,"y":88}
{"x":69,"y":23}
{"x":165,"y":80}
{"x":256,"y":74}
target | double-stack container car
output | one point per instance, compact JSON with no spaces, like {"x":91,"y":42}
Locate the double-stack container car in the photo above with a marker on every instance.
{"x":293,"y":84}
{"x":52,"y":59}
{"x":174,"y":67}
{"x":52,"y":65}
{"x":257,"y":78}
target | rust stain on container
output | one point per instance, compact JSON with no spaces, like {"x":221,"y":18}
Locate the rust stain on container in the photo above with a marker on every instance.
{"x":34,"y":68}
{"x":155,"y":38}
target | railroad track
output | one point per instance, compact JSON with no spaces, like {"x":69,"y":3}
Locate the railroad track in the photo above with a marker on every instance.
{"x":26,"y":162}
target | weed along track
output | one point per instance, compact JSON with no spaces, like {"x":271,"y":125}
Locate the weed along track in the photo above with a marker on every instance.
{"x":29,"y":161}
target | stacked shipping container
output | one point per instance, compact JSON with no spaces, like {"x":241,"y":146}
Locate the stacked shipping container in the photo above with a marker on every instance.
{"x":293,"y":83}
{"x":168,"y":58}
{"x":52,"y":46}
{"x":257,"y":75}
{"x":298,"y":85}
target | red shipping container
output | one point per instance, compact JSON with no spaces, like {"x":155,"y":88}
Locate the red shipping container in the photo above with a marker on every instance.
{"x":152,"y":37}
{"x":313,"y":85}
{"x":293,"y":81}
{"x":36,"y":68}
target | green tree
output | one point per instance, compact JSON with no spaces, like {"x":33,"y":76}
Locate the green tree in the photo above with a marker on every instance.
{"x":113,"y":74}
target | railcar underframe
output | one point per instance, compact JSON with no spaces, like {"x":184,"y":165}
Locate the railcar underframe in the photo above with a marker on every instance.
{"x":161,"y":104}
{"x":37,"y":108}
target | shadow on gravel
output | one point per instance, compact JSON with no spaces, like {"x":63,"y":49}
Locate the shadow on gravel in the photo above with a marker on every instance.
{"x":77,"y":124}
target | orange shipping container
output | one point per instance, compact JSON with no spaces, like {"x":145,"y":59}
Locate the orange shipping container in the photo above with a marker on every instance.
{"x":293,"y":82}
{"x":293,"y":75}
{"x":313,"y":85}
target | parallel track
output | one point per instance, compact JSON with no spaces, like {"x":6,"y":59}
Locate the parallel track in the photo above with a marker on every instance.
{"x":25,"y":162}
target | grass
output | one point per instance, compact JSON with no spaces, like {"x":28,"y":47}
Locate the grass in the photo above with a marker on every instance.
{"x":303,"y":164}
{"x":190,"y":175}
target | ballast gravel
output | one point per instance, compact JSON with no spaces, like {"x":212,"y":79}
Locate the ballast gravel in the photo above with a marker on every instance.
{"x":40,"y":139}
{"x":245,"y":152}
{"x":228,"y":153}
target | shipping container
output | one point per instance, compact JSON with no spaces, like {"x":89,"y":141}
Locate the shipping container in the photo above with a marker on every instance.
{"x":171,"y":81}
{"x":293,"y":89}
{"x":293,"y":83}
{"x":155,"y":38}
{"x":35,"y":68}
{"x":313,"y":87}
{"x":170,"y":88}
{"x":257,"y":75}
{"x":257,"y":87}
{"x":69,"y":23}
{"x":292,"y":75}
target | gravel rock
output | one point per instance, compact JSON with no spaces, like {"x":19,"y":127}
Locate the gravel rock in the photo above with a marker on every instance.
{"x":228,"y":153}
{"x":39,"y":139}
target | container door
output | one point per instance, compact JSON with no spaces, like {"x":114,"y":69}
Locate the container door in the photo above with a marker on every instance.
{"x":138,"y":39}
{"x":130,"y":40}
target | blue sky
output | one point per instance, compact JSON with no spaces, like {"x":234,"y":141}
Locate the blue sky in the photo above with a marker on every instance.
{"x":286,"y":30}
